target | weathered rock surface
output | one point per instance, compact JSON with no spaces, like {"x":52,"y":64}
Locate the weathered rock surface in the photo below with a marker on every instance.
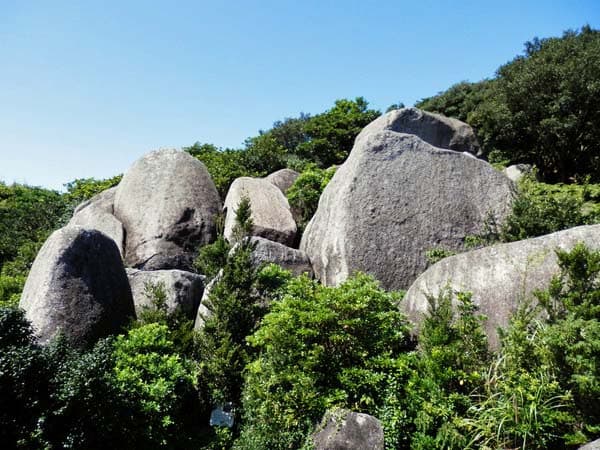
{"x":517,"y":171}
{"x":183,"y":290}
{"x":393,"y":199}
{"x":271,"y":213}
{"x":167,"y":203}
{"x":499,"y":277}
{"x":77,"y":286}
{"x":203,"y":310}
{"x":595,"y":445}
{"x":283,"y":179}
{"x":103,"y":201}
{"x":266,"y":251}
{"x":435,"y":129}
{"x":97,"y":218}
{"x":346,"y":430}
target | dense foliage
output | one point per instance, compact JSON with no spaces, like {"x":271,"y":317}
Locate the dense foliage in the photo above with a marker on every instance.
{"x":319,"y":347}
{"x":305,"y":193}
{"x":542,"y":107}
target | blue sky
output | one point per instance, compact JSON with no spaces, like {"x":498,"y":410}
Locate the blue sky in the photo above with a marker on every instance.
{"x":89,"y":86}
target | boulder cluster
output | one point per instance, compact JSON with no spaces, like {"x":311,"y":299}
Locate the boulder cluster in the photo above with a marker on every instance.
{"x":412,"y":182}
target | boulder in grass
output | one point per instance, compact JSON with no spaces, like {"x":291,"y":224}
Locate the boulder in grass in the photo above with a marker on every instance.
{"x":77,"y":286}
{"x":271,"y":214}
{"x":395,"y":198}
{"x":168,"y":205}
{"x":500,"y":277}
{"x":346,"y":430}
{"x":182,"y":290}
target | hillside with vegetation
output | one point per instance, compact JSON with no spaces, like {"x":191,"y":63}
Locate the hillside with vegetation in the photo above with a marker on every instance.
{"x":277,"y":351}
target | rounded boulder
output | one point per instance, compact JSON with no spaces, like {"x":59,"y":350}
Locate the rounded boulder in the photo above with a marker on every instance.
{"x":77,"y":286}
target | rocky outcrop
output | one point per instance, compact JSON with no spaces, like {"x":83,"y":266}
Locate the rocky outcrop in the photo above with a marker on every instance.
{"x":435,"y":129}
{"x":203,"y":310}
{"x":595,"y":445}
{"x":271,"y":213}
{"x":182,"y":290}
{"x":517,"y":171}
{"x":266,"y":251}
{"x":77,"y":286}
{"x":283,"y":179}
{"x":104,"y":201}
{"x":167,"y":203}
{"x":500,"y":277}
{"x":346,"y":430}
{"x":394,"y":198}
{"x":95,"y":217}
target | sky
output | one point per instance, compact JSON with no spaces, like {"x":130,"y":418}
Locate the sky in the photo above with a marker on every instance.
{"x":87,"y":87}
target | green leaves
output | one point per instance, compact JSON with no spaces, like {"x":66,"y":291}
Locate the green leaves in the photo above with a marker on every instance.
{"x":319,"y":347}
{"x":542,"y":108}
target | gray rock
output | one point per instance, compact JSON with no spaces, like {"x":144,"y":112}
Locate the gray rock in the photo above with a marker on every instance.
{"x":96,"y":218}
{"x":518,"y":171}
{"x":204,"y":311}
{"x":393,"y":199}
{"x":435,"y":129}
{"x":283,"y":179}
{"x":167,"y":203}
{"x":183,"y":290}
{"x":346,"y":430}
{"x":271,"y":213}
{"x":78,"y":286}
{"x":500,"y":277}
{"x":595,"y":445}
{"x":103,"y":201}
{"x":266,"y":251}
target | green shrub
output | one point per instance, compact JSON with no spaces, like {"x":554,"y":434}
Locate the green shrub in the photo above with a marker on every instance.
{"x":158,"y":382}
{"x":449,"y":364}
{"x":319,"y":347}
{"x":305,"y":193}
{"x":542,"y":209}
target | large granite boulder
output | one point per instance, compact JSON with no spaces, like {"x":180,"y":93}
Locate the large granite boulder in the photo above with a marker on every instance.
{"x":78,"y":286}
{"x":271,"y":213}
{"x":182,"y":290}
{"x":435,"y":129}
{"x":204,"y":311}
{"x":283,"y":179}
{"x":500,"y":277}
{"x":266,"y":251}
{"x":97,"y":218}
{"x":518,"y":171}
{"x":595,"y":445}
{"x":167,"y":203}
{"x":346,"y":430}
{"x":104,"y":201}
{"x":396,"y":197}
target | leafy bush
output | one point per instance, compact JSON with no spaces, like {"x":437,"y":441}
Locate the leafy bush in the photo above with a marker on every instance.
{"x":305,"y":193}
{"x":28,"y":215}
{"x":83,"y":189}
{"x":425,"y":410}
{"x":542,"y":209}
{"x":319,"y":347}
{"x":160,"y":383}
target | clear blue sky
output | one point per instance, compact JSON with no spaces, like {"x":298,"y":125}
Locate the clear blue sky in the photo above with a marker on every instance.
{"x":89,"y":86}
